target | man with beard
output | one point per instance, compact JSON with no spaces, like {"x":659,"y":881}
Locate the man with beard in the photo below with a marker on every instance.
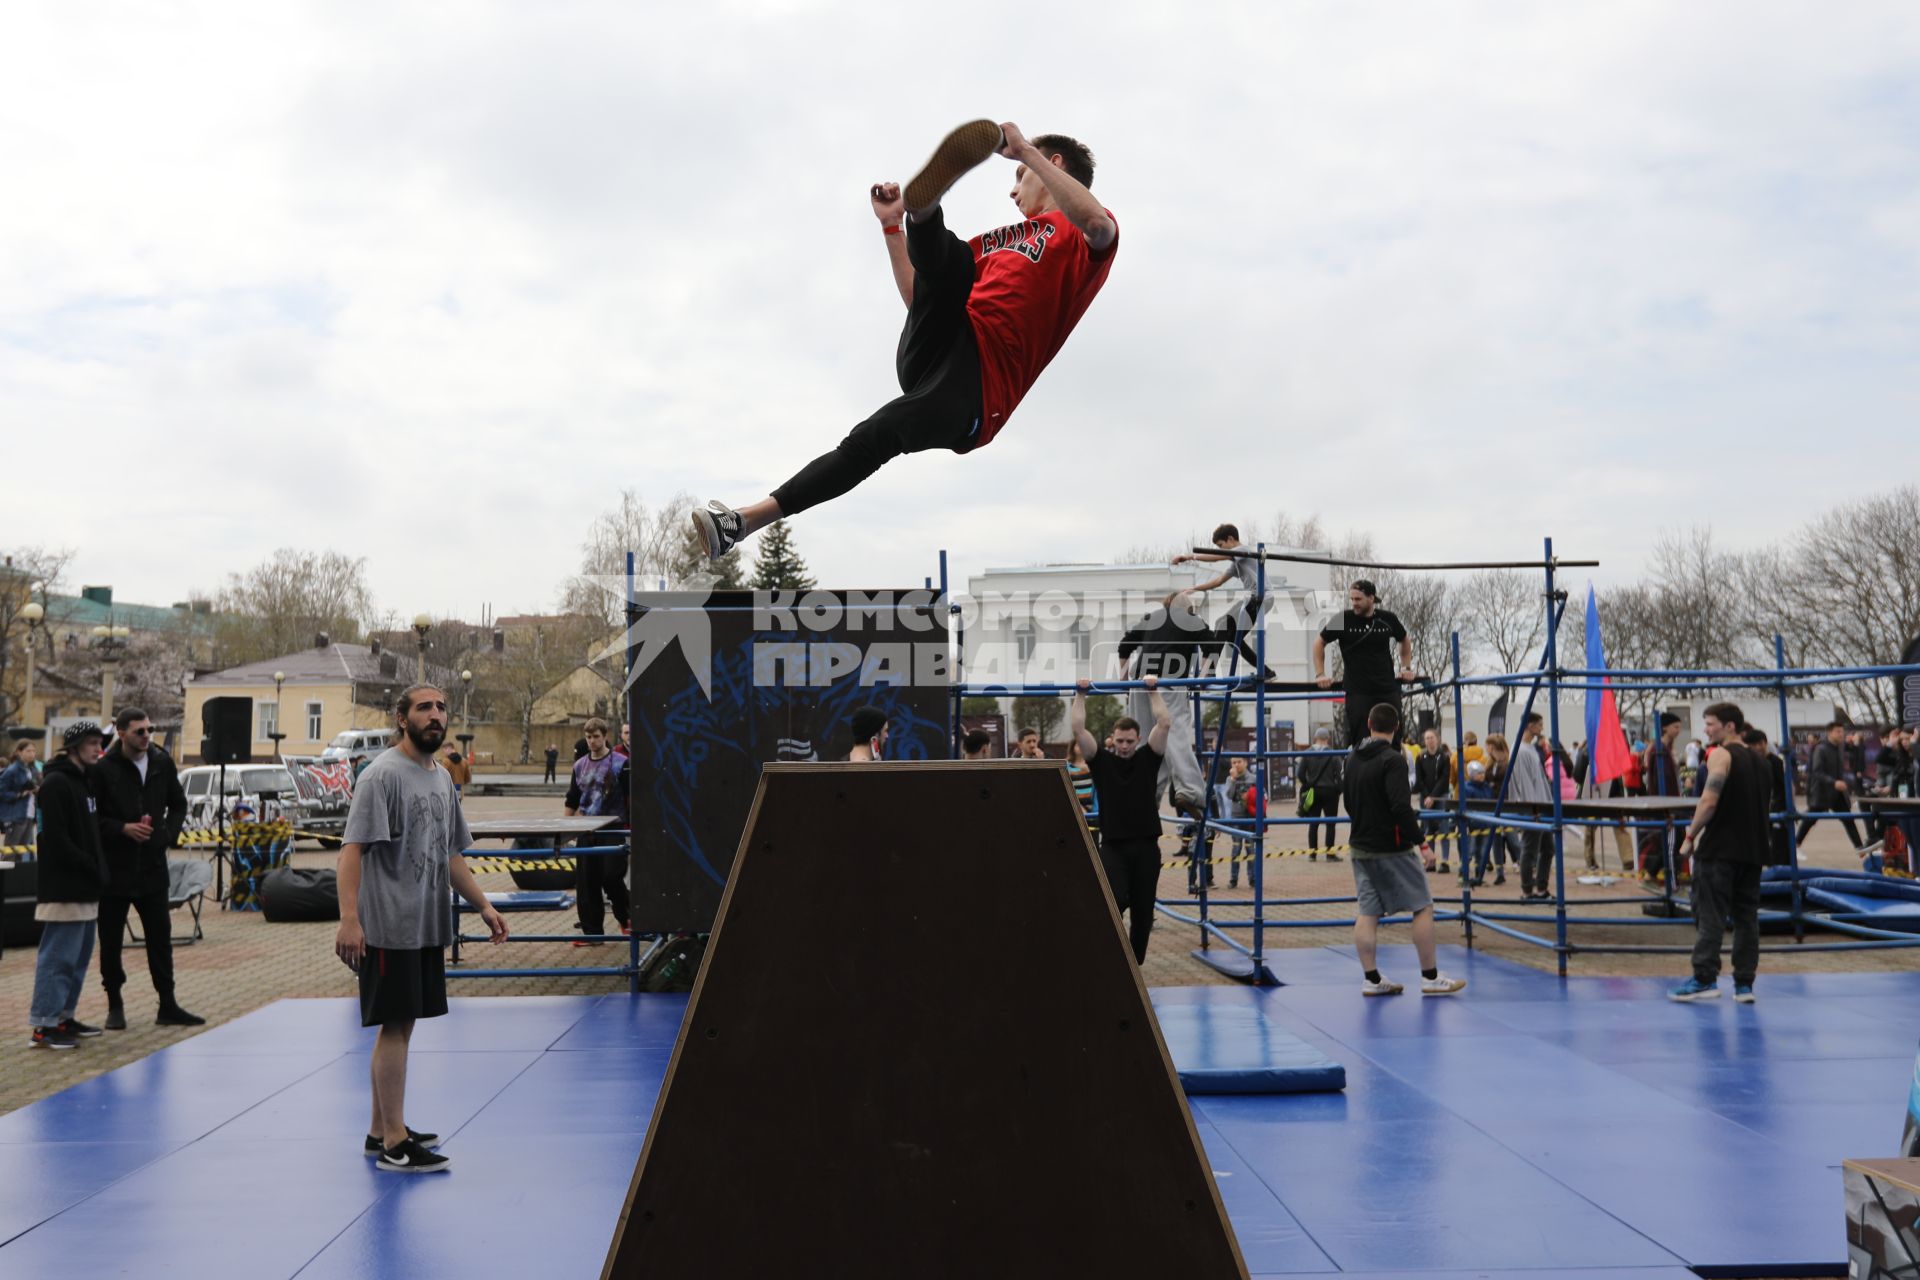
{"x":1366,"y":634}
{"x":140,"y":808}
{"x":404,"y":838}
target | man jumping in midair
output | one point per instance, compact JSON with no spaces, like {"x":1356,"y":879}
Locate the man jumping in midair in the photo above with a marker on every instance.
{"x":984,"y":316}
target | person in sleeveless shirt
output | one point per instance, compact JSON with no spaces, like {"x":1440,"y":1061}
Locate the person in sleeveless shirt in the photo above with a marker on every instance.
{"x":1728,"y":840}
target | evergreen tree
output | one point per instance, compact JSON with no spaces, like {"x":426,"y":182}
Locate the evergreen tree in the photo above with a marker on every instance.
{"x":690,"y":566}
{"x":1043,"y":714}
{"x":1211,"y":716}
{"x":1102,"y":710}
{"x":776,"y":565}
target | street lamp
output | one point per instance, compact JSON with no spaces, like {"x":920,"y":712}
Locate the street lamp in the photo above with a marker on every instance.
{"x":278,"y":734}
{"x":421,"y":625}
{"x":466,"y":715}
{"x":109,"y":641}
{"x":32,"y":613}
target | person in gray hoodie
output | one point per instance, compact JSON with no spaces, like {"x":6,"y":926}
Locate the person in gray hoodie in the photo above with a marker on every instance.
{"x":1529,"y":786}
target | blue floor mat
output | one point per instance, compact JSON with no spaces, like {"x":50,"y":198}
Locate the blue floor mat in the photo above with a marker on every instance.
{"x":1236,"y":1049}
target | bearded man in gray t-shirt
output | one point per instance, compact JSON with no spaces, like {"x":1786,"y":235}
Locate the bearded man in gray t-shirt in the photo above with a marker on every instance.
{"x":402,"y":854}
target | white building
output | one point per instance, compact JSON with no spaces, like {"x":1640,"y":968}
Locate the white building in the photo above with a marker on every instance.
{"x":1053,"y":624}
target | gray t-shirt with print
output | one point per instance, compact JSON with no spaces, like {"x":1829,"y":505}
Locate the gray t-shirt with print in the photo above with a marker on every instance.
{"x":408,"y":823}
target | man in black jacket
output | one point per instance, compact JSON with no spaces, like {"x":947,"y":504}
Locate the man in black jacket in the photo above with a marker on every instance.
{"x":72,"y":874}
{"x":136,"y":790}
{"x":1388,"y":874}
{"x":1830,"y":784}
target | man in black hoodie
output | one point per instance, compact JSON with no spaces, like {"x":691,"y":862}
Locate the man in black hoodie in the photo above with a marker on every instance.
{"x":72,"y":874}
{"x":1388,"y":874}
{"x":136,"y":789}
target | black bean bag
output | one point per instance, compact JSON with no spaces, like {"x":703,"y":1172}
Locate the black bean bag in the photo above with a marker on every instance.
{"x":295,"y":893}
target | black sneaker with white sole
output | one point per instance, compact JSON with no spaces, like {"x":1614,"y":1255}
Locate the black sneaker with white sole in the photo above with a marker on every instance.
{"x":78,"y":1029}
{"x":411,"y":1157}
{"x":719,"y":528}
{"x":972,"y":144}
{"x":431,"y":1141}
{"x":52,"y":1038}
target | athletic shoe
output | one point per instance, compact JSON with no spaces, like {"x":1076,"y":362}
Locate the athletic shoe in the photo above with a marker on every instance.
{"x":1333,"y":857}
{"x":1694,"y":989}
{"x":427,"y":1140}
{"x":585,"y":942}
{"x":1500,"y":879}
{"x":116,"y":1017}
{"x":1445,"y":868}
{"x":411,"y":1157}
{"x":76,"y":1028}
{"x":52,"y":1038}
{"x":719,"y":528}
{"x":172,"y":1015}
{"x":1441,"y":985}
{"x":1381,"y":988}
{"x":1743,"y":992}
{"x":972,"y":144}
{"x":1314,"y":857}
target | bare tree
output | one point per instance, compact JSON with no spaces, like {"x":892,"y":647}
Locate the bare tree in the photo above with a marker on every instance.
{"x":664,"y":547}
{"x":1427,"y":605}
{"x":1847,"y":589}
{"x":31,"y":574}
{"x":1505,"y":613}
{"x":282,"y":604}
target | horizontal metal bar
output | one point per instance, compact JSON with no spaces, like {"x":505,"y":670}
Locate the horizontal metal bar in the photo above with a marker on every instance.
{"x":1338,"y":563}
{"x":596,"y":972}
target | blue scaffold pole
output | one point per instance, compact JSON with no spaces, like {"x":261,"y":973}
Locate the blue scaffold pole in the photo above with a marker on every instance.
{"x":1553,"y":713}
{"x":1462,"y":830}
{"x":1786,"y":755}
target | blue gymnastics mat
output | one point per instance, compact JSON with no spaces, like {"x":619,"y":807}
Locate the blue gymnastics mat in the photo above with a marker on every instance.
{"x":1529,"y":1128}
{"x":1238,"y":1049}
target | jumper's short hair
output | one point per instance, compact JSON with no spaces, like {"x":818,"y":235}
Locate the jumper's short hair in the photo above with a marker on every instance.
{"x":1126,"y":722}
{"x":1077,"y":158}
{"x":1384,"y":718}
{"x":1224,"y":532}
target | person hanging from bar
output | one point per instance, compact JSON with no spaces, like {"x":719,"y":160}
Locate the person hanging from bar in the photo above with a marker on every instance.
{"x":1125,"y":784}
{"x":1238,"y":626}
{"x":984,"y":317}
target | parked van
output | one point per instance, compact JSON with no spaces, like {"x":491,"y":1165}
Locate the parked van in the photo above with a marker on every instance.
{"x":357,"y":744}
{"x":269,"y":788}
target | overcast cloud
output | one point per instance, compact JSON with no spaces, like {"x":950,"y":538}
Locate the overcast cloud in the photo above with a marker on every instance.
{"x":430,"y":284}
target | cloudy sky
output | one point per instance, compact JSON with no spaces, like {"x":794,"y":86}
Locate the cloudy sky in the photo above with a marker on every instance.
{"x":431,"y":283}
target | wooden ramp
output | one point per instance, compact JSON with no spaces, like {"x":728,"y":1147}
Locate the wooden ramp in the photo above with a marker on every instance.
{"x":919,"y":1046}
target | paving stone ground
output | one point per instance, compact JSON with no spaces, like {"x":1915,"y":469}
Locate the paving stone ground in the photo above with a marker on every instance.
{"x":245,"y":963}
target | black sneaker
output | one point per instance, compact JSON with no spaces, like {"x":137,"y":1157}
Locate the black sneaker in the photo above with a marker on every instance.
{"x":411,"y":1157}
{"x":76,"y":1028}
{"x":52,"y":1038}
{"x":172,"y":1015}
{"x":719,"y":528}
{"x":972,"y":144}
{"x":428,"y":1140}
{"x":1333,"y":857}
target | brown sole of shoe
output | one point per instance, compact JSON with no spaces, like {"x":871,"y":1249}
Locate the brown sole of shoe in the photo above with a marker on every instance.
{"x":967,"y":147}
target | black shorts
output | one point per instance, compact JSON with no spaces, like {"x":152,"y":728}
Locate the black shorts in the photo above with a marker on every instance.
{"x":402,"y":986}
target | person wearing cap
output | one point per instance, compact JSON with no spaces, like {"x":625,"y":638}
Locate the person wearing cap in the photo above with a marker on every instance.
{"x":141,"y":808}
{"x":73,"y":873}
{"x":869,"y":734}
